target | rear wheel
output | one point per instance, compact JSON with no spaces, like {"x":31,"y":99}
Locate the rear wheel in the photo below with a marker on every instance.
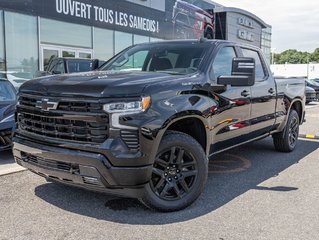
{"x":179,"y":173}
{"x":286,"y":141}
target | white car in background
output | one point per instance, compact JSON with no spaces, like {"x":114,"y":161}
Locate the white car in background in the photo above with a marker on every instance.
{"x":14,"y":78}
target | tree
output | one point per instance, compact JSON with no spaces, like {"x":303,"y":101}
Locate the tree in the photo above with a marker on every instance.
{"x":314,"y":57}
{"x":292,"y":56}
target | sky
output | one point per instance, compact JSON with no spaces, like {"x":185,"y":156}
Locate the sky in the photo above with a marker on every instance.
{"x":295,"y":23}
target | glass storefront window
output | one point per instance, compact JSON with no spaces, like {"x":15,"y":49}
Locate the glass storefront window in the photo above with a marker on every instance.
{"x":122,"y":41}
{"x":21,"y":35}
{"x":68,"y":54}
{"x":62,"y":33}
{"x":141,"y":39}
{"x":85,"y":55}
{"x":103,"y":44}
{"x":2,"y":60}
{"x":156,"y":39}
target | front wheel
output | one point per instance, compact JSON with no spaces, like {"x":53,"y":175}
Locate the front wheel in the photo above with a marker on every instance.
{"x":179,"y":173}
{"x":286,"y":141}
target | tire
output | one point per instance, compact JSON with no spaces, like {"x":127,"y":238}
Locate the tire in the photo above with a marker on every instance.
{"x":179,"y":173}
{"x":286,"y":141}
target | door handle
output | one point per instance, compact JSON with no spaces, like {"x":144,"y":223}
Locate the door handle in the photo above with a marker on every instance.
{"x":271,"y":91}
{"x":245,"y":93}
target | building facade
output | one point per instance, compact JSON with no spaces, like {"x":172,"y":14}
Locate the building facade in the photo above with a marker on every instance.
{"x":34,"y":31}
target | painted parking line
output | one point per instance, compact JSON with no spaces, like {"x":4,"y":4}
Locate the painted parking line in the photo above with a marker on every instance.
{"x":230,"y":164}
{"x":309,"y":136}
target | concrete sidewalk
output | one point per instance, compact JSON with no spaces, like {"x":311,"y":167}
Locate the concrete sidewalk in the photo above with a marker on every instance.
{"x":8,"y":165}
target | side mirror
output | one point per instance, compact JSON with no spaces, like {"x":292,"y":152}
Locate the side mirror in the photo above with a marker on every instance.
{"x":243,"y":73}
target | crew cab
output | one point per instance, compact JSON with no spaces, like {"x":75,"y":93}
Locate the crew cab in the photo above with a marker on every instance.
{"x":69,"y":65}
{"x":145,"y":124}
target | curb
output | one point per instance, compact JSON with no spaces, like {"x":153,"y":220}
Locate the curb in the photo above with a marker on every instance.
{"x":4,"y":171}
{"x":309,"y":136}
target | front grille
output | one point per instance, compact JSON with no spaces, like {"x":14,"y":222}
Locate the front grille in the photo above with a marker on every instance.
{"x":5,"y":138}
{"x":70,"y":105}
{"x":131,"y":139}
{"x":73,"y":120}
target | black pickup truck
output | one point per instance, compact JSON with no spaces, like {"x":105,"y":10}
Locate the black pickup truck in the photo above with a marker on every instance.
{"x":145,"y":125}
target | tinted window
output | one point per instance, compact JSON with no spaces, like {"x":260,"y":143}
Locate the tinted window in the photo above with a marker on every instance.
{"x":7,"y":93}
{"x":79,"y":66}
{"x":182,"y":18}
{"x":59,"y":68}
{"x":222,"y":65}
{"x":52,"y":65}
{"x":260,"y":73}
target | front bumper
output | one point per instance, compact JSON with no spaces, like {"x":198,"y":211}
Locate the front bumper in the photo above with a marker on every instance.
{"x":88,"y":170}
{"x":311,"y":97}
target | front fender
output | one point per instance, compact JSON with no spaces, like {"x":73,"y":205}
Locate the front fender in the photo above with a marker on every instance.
{"x":179,"y":108}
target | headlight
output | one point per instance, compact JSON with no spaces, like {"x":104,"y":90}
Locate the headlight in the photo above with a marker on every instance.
{"x":128,"y":107}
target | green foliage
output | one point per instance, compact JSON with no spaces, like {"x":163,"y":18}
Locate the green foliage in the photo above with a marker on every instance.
{"x":293,"y":56}
{"x":314,"y":57}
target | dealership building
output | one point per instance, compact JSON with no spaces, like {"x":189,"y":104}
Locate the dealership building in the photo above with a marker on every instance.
{"x":34,"y":31}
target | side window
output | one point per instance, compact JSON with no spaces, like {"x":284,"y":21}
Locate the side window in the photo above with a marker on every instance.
{"x":260,"y":72}
{"x":182,"y":18}
{"x":222,"y":65}
{"x":59,"y":68}
{"x":51,"y":66}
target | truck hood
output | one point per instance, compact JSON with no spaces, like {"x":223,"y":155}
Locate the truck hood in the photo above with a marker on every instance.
{"x":98,"y":83}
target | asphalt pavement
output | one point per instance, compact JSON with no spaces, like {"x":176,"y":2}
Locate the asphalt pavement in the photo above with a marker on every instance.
{"x":253,"y":192}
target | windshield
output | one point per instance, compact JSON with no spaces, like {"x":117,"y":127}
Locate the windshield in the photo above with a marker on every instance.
{"x":7,"y":93}
{"x":177,"y":58}
{"x":79,"y":66}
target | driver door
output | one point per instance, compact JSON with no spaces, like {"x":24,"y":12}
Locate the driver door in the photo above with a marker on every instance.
{"x":230,"y":122}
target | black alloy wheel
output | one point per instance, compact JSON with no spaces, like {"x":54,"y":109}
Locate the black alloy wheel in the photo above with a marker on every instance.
{"x":174,"y":173}
{"x":179,"y":173}
{"x":286,"y":140}
{"x":293,"y":131}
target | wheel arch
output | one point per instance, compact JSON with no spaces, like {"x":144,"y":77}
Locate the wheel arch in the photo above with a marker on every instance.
{"x":191,"y":124}
{"x":297,"y":105}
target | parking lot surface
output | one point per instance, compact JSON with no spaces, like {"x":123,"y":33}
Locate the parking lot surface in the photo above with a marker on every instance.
{"x":253,"y":192}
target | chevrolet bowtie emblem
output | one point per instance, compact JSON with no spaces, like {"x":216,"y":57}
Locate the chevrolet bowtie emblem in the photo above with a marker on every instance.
{"x":45,"y":105}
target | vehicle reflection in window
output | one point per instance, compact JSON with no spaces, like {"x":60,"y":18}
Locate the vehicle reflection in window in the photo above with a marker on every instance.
{"x":222,"y":65}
